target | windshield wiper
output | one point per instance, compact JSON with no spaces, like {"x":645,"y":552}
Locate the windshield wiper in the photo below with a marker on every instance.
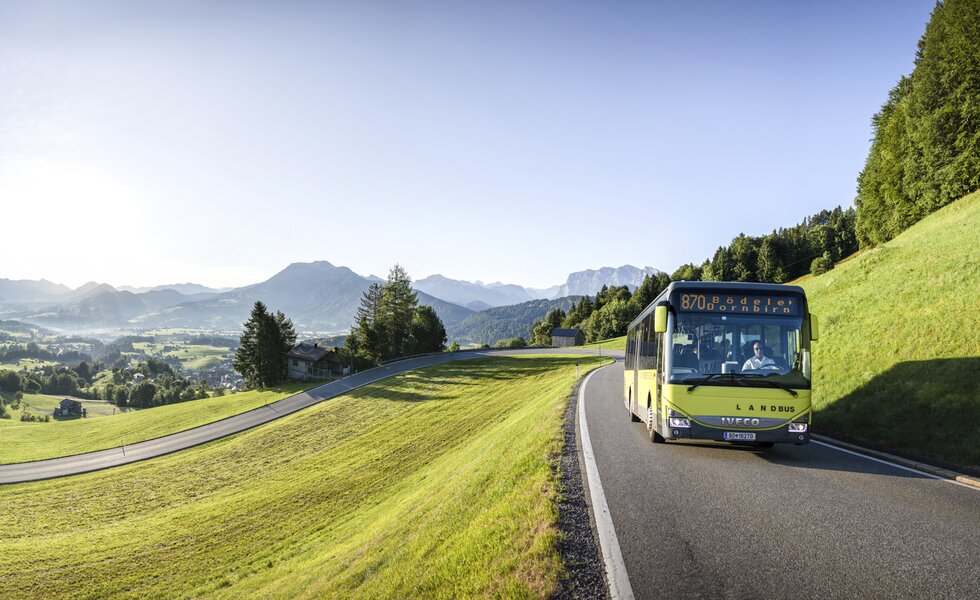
{"x":691,"y":388}
{"x":769,"y":382}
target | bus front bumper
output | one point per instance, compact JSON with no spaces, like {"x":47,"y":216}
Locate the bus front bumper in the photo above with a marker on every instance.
{"x":696,"y":431}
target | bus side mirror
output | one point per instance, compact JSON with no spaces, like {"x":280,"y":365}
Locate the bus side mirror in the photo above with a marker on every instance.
{"x":660,"y":320}
{"x":814,"y":327}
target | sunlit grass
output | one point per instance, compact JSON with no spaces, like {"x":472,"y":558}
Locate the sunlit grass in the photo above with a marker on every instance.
{"x":27,"y":363}
{"x":193,"y":357}
{"x":435,"y":483}
{"x":898,"y":362}
{"x":41,"y":404}
{"x":618,"y":343}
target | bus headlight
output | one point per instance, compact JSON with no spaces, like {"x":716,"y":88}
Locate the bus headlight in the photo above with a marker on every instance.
{"x":797,"y":427}
{"x":676,"y":419}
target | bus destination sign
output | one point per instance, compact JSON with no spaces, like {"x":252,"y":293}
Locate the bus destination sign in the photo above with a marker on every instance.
{"x":749,"y":304}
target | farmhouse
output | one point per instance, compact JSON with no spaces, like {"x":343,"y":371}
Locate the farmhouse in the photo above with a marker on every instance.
{"x":68,"y":407}
{"x":561,"y":338}
{"x":307,"y":362}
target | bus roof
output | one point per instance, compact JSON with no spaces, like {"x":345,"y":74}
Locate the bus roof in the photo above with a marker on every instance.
{"x":721,"y":286}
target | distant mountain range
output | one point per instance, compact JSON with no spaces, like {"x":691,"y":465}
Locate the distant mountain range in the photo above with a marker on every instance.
{"x":316,"y":296}
{"x":479,"y":296}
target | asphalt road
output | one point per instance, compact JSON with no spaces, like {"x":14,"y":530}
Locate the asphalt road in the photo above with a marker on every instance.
{"x":722,"y":521}
{"x":113,"y":457}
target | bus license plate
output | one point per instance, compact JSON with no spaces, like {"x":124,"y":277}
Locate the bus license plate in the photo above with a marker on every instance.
{"x":744,"y":436}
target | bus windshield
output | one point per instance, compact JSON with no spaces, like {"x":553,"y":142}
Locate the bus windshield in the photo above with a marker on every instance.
{"x":745,"y":348}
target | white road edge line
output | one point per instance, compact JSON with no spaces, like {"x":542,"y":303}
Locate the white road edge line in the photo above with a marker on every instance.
{"x":612,"y":555}
{"x":891,"y":464}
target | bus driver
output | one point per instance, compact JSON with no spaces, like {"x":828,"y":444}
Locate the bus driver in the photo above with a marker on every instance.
{"x":759,"y":360}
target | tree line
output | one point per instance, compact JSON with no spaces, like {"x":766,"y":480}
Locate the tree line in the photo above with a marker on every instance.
{"x":606,"y":316}
{"x":390,"y":323}
{"x":15,"y":352}
{"x":925,"y":151}
{"x":160,"y":384}
{"x":812,"y":246}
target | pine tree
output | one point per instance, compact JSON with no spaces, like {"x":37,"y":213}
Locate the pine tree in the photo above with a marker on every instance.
{"x":263,"y":345}
{"x":245,"y":362}
{"x":396,"y":309}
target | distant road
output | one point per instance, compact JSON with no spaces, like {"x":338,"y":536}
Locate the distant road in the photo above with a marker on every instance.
{"x":723,"y":521}
{"x":113,"y":457}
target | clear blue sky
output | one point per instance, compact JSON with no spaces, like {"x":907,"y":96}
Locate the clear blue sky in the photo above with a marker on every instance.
{"x":217,"y":142}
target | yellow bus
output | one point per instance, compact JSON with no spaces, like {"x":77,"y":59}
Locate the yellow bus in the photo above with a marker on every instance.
{"x":722,"y":361}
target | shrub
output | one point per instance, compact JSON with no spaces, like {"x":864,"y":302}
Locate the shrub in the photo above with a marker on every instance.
{"x":821,"y":265}
{"x":517,"y":342}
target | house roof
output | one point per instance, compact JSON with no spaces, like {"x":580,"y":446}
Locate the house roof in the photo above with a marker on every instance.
{"x":69,"y":402}
{"x":564,"y":332}
{"x":308,"y":352}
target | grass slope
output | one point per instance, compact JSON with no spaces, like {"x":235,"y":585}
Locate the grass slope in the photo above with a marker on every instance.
{"x":435,"y":483}
{"x":618,"y":343}
{"x":23,"y":442}
{"x":42,"y":404}
{"x":898,"y":363}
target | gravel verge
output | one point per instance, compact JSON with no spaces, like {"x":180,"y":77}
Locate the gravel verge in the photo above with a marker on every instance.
{"x":583,"y":575}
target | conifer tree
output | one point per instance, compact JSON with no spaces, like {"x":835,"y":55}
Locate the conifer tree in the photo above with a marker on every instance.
{"x":263,"y":345}
{"x":396,"y":309}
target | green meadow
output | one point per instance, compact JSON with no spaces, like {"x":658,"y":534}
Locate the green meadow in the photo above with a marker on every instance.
{"x":22,"y":442}
{"x":618,"y":343}
{"x":192,"y":357}
{"x":41,"y":404}
{"x":435,"y":483}
{"x":898,"y":361}
{"x":27,"y":363}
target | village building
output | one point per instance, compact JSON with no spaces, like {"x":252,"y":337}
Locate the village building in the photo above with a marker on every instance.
{"x":68,"y":408}
{"x":561,"y":338}
{"x":308,"y":362}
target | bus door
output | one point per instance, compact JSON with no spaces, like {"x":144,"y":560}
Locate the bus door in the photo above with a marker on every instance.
{"x":658,"y":391}
{"x":640,"y":341}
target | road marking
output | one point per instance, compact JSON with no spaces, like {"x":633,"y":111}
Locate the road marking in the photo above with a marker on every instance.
{"x":612,"y":555}
{"x":891,"y":464}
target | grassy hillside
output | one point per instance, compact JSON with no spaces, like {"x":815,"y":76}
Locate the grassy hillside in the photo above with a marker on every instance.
{"x":35,"y":441}
{"x":898,"y":364}
{"x":438,"y":482}
{"x":42,"y":404}
{"x":618,"y":343}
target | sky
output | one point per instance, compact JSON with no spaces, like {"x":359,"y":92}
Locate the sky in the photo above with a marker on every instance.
{"x":145,"y":143}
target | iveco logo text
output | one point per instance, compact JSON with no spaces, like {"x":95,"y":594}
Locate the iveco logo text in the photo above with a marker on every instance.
{"x":740,"y":421}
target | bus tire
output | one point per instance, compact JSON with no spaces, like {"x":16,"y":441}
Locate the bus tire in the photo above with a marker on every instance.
{"x":656,"y":438}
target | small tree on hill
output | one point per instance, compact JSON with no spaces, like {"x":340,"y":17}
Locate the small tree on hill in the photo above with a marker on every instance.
{"x":821,"y":264}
